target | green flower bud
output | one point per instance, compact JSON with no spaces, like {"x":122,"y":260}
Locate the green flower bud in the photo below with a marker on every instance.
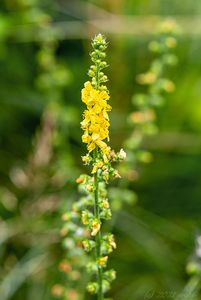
{"x":98,"y":61}
{"x":99,"y":40}
{"x":92,"y":287}
{"x":104,"y":78}
{"x":93,"y":54}
{"x":102,"y":55}
{"x":88,"y":245}
{"x":91,"y":73}
{"x":103,"y":88}
{"x":106,"y":214}
{"x":106,"y":286}
{"x":93,"y":68}
{"x":102,"y":47}
{"x":109,"y":275}
{"x":103,"y":64}
{"x":92,"y":268}
{"x":192,"y":268}
{"x":86,"y":217}
{"x":94,"y":81}
{"x":154,"y":46}
{"x":97,"y":52}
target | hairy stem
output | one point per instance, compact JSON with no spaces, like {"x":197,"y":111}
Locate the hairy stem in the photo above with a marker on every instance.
{"x":98,"y":236}
{"x":96,"y":210}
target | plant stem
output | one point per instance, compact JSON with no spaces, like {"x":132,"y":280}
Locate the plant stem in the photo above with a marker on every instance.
{"x":97,"y":212}
{"x":98,"y":236}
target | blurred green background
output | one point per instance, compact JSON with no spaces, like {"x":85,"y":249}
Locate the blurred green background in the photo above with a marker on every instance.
{"x":44,"y":57}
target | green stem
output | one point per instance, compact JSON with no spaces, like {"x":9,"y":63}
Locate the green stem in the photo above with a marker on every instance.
{"x":98,"y":236}
{"x":97,"y":212}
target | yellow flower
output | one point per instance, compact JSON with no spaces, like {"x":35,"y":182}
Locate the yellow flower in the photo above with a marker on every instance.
{"x":95,"y":225}
{"x":95,"y":119}
{"x":112,"y":241}
{"x":105,"y":204}
{"x":97,"y":165}
{"x":84,"y":217}
{"x":86,"y":159}
{"x":102,"y":261}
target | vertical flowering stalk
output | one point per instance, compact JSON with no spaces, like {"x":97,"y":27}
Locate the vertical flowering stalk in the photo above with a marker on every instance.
{"x":95,"y":125}
{"x":158,"y":85}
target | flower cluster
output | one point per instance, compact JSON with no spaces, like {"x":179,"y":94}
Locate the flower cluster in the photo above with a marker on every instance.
{"x":96,"y":119}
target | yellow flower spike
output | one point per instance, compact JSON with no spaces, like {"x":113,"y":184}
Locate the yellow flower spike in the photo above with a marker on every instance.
{"x":95,"y":126}
{"x":96,"y":120}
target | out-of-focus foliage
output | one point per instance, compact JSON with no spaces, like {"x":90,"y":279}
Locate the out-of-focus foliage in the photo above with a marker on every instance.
{"x":43,"y":57}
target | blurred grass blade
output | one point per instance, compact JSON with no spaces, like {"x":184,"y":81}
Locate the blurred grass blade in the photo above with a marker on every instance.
{"x":28,"y":265}
{"x":191,"y":290}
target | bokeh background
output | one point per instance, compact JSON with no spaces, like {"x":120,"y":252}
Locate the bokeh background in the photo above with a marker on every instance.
{"x":44,"y":57}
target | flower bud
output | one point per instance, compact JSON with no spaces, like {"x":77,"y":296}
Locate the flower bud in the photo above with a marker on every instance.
{"x":103,"y":64}
{"x":79,"y":180}
{"x":102,"y":55}
{"x":91,"y":73}
{"x":92,"y":287}
{"x":104,"y":78}
{"x":85,"y":217}
{"x":93,"y":68}
{"x":88,"y":245}
{"x":122,"y":154}
{"x":110,"y":275}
